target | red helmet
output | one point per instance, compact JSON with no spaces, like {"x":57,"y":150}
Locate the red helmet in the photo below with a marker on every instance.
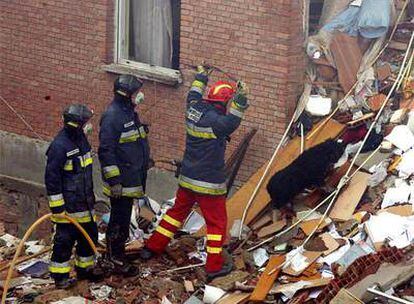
{"x":221,"y":91}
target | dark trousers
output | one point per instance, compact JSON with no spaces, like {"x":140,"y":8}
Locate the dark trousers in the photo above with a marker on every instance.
{"x":118,"y":227}
{"x":66,"y":236}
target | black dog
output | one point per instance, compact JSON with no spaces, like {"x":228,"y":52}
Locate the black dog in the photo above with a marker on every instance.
{"x":309,"y":169}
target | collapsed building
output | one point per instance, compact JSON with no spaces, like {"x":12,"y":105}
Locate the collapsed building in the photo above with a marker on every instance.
{"x":348,"y":241}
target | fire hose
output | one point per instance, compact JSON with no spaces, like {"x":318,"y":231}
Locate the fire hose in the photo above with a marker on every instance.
{"x":27,"y":235}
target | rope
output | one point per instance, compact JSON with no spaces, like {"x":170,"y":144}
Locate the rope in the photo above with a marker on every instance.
{"x":20,"y":117}
{"x":259,"y":184}
{"x":345,"y":179}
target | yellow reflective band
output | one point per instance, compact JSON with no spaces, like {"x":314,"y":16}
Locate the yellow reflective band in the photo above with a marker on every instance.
{"x":222,"y":86}
{"x":130,"y":136}
{"x":164,"y":232}
{"x":126,"y":191}
{"x":83,"y":219}
{"x":58,"y":203}
{"x":198,"y":134}
{"x":200,"y":189}
{"x":214,"y":250}
{"x":88,"y":161}
{"x":128,"y":139}
{"x":142,"y":132}
{"x":84,"y":264}
{"x":68,"y":165}
{"x":214,"y":237}
{"x":59,"y":269}
{"x":198,"y":84}
{"x":73,"y":124}
{"x":112,"y":172}
{"x":171,"y":221}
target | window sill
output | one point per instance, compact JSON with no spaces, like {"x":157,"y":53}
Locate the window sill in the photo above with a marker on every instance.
{"x":153,"y":73}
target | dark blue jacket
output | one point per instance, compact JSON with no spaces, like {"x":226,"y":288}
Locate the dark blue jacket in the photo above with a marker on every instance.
{"x":207,"y":129}
{"x":123,"y":148}
{"x":68,"y":176}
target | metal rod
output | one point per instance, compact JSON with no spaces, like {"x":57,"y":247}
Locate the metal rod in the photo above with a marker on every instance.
{"x":390,"y":297}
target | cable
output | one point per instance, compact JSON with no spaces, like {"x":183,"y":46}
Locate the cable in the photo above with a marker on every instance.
{"x":20,"y":117}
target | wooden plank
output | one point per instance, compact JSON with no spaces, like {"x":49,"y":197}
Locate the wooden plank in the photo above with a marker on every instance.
{"x":345,"y":297}
{"x":311,"y":256}
{"x":312,"y":284}
{"x":266,"y":219}
{"x":349,"y":198}
{"x":272,"y":228}
{"x":266,"y":281}
{"x":401,"y":210}
{"x":235,"y":298}
{"x":308,"y":226}
{"x":347,"y":56}
{"x":236,"y":204}
{"x":330,"y":243}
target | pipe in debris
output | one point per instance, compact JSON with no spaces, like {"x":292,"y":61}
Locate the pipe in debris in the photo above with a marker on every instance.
{"x":264,"y":175}
{"x":27,"y":258}
{"x":184,"y":267}
{"x":27,"y":235}
{"x":389,"y":297}
{"x":345,"y":179}
{"x":356,"y":82}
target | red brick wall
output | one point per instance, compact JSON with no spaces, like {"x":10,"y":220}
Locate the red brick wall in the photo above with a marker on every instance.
{"x":51,"y":53}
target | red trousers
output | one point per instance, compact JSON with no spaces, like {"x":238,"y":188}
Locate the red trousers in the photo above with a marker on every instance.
{"x":214,"y":212}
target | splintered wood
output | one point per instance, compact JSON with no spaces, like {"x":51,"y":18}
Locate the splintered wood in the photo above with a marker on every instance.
{"x":266,"y":281}
{"x":311,"y":257}
{"x":237,"y":203}
{"x":349,"y":198}
{"x":272,"y":228}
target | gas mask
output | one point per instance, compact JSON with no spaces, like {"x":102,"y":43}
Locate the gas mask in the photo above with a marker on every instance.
{"x":87,"y":128}
{"x":139,"y":98}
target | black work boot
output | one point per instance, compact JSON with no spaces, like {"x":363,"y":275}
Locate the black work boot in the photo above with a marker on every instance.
{"x":93,"y":274}
{"x":225,"y":270}
{"x":64,"y":283}
{"x":122,"y":267}
{"x":145,"y":254}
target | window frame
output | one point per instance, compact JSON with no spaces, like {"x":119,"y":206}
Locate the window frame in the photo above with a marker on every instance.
{"x":140,"y":69}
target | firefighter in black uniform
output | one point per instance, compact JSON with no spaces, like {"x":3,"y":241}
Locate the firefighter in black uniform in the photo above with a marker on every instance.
{"x":69,"y":186}
{"x":124,"y":157}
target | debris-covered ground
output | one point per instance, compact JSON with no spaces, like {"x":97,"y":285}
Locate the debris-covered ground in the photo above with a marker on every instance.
{"x":347,"y":240}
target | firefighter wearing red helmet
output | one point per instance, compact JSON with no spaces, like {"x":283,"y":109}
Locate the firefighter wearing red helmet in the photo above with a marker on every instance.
{"x":202,"y":179}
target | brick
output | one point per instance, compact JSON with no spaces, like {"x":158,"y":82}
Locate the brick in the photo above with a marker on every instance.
{"x":55,"y":49}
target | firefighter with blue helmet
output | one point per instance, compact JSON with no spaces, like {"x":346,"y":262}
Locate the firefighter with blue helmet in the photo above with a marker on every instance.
{"x":69,"y":185}
{"x":124,"y":157}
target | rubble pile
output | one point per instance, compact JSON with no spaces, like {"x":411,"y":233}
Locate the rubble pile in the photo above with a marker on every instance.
{"x":348,"y":241}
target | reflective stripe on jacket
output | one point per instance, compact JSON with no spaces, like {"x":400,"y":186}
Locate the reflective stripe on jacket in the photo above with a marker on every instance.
{"x":207,"y":128}
{"x":123,"y":148}
{"x":68,"y":175}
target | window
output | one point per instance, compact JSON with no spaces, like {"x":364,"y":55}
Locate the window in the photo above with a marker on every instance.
{"x":147,"y":37}
{"x":148,"y":32}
